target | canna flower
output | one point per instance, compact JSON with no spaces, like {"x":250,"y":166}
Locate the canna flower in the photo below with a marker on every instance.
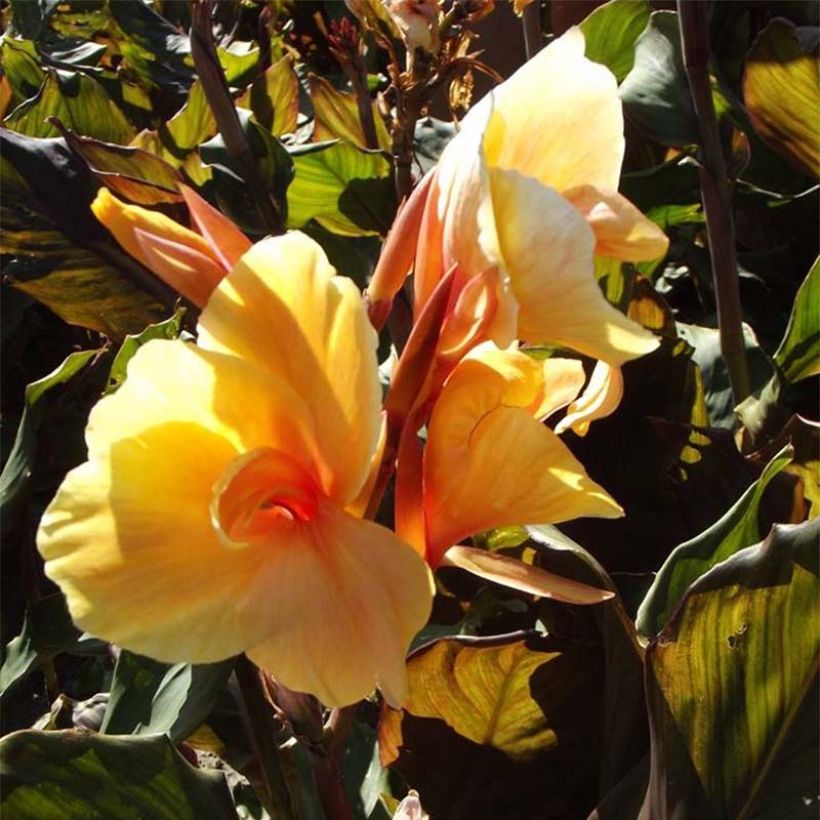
{"x":488,"y":460}
{"x":211,"y":517}
{"x":191,"y":263}
{"x":521,"y":201}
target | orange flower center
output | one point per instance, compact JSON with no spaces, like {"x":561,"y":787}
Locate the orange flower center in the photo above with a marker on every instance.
{"x":259,"y":491}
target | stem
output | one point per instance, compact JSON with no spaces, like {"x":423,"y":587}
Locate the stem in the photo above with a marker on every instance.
{"x":357,"y":74}
{"x":262,"y":728}
{"x":717,"y":204}
{"x":531,"y":23}
{"x":219,"y":99}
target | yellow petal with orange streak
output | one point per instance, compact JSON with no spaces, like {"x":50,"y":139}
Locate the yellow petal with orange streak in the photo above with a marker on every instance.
{"x":489,"y":463}
{"x":283,"y":309}
{"x":346,"y":597}
{"x":122,"y":220}
{"x":129,"y":537}
{"x":546,"y":247}
{"x":621,"y":230}
{"x":558,"y":119}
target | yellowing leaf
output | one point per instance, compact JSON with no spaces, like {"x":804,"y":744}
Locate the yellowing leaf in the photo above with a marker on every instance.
{"x":274,"y":98}
{"x":337,"y":116}
{"x":780,"y":91}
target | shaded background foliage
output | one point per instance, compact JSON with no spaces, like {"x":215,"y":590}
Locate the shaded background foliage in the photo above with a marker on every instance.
{"x":581,"y":715}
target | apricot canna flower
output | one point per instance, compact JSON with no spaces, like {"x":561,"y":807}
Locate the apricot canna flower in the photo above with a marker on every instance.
{"x":488,"y":461}
{"x":519,"y":204}
{"x":211,"y":516}
{"x":191,"y":263}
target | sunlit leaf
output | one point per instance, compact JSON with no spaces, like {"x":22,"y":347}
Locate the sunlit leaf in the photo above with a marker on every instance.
{"x":526,"y":709}
{"x":732,"y":687}
{"x":21,"y":68}
{"x":345,"y":189}
{"x":611,"y":31}
{"x":76,"y":775}
{"x":148,"y":697}
{"x":239,"y":61}
{"x":799,"y":353}
{"x":274,"y":98}
{"x":655,"y":93}
{"x":79,"y":102}
{"x":336,"y":116}
{"x":737,"y":529}
{"x":780,"y":91}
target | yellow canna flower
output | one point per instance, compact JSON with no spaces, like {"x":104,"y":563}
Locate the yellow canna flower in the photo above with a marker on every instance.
{"x":524,"y":197}
{"x":211,"y":516}
{"x":191,"y":263}
{"x":488,"y":461}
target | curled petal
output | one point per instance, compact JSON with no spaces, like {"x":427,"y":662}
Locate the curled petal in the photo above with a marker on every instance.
{"x":515,"y":574}
{"x":489,"y":463}
{"x":361,"y":594}
{"x":227,"y":241}
{"x":621,"y":230}
{"x":600,"y":399}
{"x":546,"y":247}
{"x":283,"y":310}
{"x":574,"y":134}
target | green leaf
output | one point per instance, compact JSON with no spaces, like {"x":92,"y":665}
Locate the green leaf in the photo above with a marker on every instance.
{"x":611,"y":32}
{"x":21,"y":66}
{"x":169,"y":329}
{"x":47,"y":631}
{"x":61,"y":255}
{"x":525,"y":708}
{"x":780,"y":92}
{"x":798,"y":356}
{"x":79,"y":775}
{"x":239,"y":61}
{"x":132,"y":173}
{"x":274,"y":98}
{"x":732,"y":688}
{"x":16,"y":475}
{"x":656,"y":93}
{"x":734,"y":531}
{"x":345,"y":189}
{"x":79,"y":102}
{"x":148,"y":697}
{"x":192,"y":124}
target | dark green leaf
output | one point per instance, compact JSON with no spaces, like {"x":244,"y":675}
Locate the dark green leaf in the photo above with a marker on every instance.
{"x":611,"y":32}
{"x":79,"y":775}
{"x":737,"y":529}
{"x":148,"y":697}
{"x":655,"y":93}
{"x":799,"y":353}
{"x":732,"y":688}
{"x":61,"y":255}
{"x":47,"y":631}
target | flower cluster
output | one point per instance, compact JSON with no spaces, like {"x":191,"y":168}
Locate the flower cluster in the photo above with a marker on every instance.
{"x":222,"y":506}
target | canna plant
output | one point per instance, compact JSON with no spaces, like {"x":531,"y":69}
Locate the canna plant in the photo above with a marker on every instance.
{"x":387,"y":484}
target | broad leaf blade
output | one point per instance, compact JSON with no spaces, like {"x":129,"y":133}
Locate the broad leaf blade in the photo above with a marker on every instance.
{"x":799,"y":353}
{"x":611,"y":32}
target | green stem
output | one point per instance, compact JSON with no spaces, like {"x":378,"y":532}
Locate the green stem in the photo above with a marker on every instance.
{"x":717,"y":202}
{"x":219,"y":99}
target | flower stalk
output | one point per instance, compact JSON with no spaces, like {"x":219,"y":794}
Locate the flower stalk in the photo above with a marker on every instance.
{"x":717,"y":204}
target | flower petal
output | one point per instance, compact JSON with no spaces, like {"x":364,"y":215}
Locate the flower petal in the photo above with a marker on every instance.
{"x":283,"y":309}
{"x":558,"y":119}
{"x":489,"y":463}
{"x":361,"y":594}
{"x":129,"y":537}
{"x":601,"y":398}
{"x":227,"y":241}
{"x":546,"y":247}
{"x":621,"y":230}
